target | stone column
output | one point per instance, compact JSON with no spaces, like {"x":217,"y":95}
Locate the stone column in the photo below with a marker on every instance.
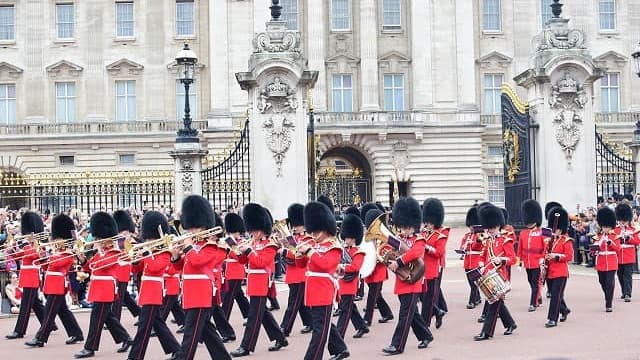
{"x":35,"y":78}
{"x":635,"y":155}
{"x":369,"y":56}
{"x":95,"y":72}
{"x":421,"y":55}
{"x":187,"y":179}
{"x":316,"y":36}
{"x":466,"y":59}
{"x":219,"y":115}
{"x":155,"y":65}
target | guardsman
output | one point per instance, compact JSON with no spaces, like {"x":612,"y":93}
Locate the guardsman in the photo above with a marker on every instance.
{"x":471,"y":246}
{"x":497,"y":254}
{"x":219,"y":318}
{"x":56,"y":285}
{"x":234,"y":271}
{"x":607,"y":244}
{"x":351,"y":232}
{"x":171,"y":302}
{"x":155,"y":263}
{"x":126,"y":228}
{"x":103,"y":289}
{"x":629,"y":237}
{"x":198,"y":259}
{"x":531,"y":248}
{"x":557,"y":261}
{"x":321,"y":257}
{"x":407,"y":217}
{"x":436,"y":235}
{"x":295,"y":277}
{"x":260,"y":257}
{"x":29,"y":278}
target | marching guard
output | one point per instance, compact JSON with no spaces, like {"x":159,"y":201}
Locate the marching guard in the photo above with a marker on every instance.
{"x":436,"y":243}
{"x":607,"y":245}
{"x":471,"y":246}
{"x":556,"y":260}
{"x":126,"y":228}
{"x":531,"y":248}
{"x":629,"y":237}
{"x":234,"y":272}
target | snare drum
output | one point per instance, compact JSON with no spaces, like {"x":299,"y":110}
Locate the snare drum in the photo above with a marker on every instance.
{"x":493,"y":286}
{"x":474,"y":274}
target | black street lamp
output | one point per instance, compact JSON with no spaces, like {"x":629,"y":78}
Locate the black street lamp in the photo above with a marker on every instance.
{"x":636,"y":59}
{"x":186,"y":60}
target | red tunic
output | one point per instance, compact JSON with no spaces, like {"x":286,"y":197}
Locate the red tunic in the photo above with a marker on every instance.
{"x":416,"y":250}
{"x":435,"y":247}
{"x":234,"y":270}
{"x":217,"y":273}
{"x":197,"y":276}
{"x":443,"y":258}
{"x":531,"y":248}
{"x":102,"y":287}
{"x":172,"y":279}
{"x":295,"y":273}
{"x":55,"y":278}
{"x":627,"y":251}
{"x":357,"y":258}
{"x":500,"y":246}
{"x":561,"y":253}
{"x":152,"y":282}
{"x":261,"y":262}
{"x":124,"y":272}
{"x":472,"y":249}
{"x":321,"y":285}
{"x":607,"y":257}
{"x":29,"y":273}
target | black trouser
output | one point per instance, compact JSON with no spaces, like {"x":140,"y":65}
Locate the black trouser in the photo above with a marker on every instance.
{"x":258,"y":314}
{"x":607,"y":283}
{"x":101,"y":315}
{"x":29,"y":301}
{"x":295,"y":306}
{"x":533,"y":277}
{"x":170,"y":304}
{"x":323,"y":329}
{"x":442,"y":303}
{"x":498,"y":308}
{"x":150,"y":319}
{"x":429,"y":300}
{"x":374,"y":297}
{"x":624,"y":276}
{"x":197,"y":326}
{"x":474,"y":292}
{"x":124,"y":298}
{"x":224,"y":328}
{"x":408,"y":316}
{"x":57,"y":305}
{"x":349,"y":311}
{"x":361,"y":288}
{"x":557,"y":304}
{"x":485,"y":310}
{"x":234,"y":292}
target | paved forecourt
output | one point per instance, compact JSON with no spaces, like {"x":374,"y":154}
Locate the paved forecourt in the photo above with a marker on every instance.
{"x":589,"y":332}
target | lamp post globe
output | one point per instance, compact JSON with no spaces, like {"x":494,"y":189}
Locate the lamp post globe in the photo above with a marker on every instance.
{"x":636,"y":59}
{"x":186,"y":60}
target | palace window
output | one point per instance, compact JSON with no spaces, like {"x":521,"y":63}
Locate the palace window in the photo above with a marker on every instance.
{"x":7,"y":104}
{"x":391,"y":16}
{"x":340,"y":15}
{"x":394,"y":92}
{"x":491,"y":15}
{"x":545,"y":11}
{"x":185,"y":14}
{"x":124,"y":19}
{"x":290,"y":13}
{"x":492,"y":92}
{"x":7,"y":23}
{"x":610,"y":92}
{"x":64,"y":21}
{"x":494,"y":150}
{"x":342,"y":93}
{"x":180,"y":100}
{"x":607,"y":10}
{"x":495,"y":188}
{"x":67,"y":160}
{"x":126,"y":159}
{"x":65,"y":102}
{"x":125,"y":100}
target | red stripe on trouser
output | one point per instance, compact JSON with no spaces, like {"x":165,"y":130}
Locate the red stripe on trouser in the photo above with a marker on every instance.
{"x":232,"y":294}
{"x":556,"y":311}
{"x":147,"y":331}
{"x":325,"y":332}
{"x":51,"y":313}
{"x":194,"y":341}
{"x":347,"y":320}
{"x":375,"y":298}
{"x":99,"y":325}
{"x":407,"y":325}
{"x":495,"y":317}
{"x":253,"y":339}
{"x":29,"y":304}
{"x":296,"y":307}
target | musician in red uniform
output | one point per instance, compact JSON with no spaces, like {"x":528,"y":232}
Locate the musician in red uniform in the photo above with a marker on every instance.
{"x":436,"y":244}
{"x":234,"y":272}
{"x":154,"y":263}
{"x":102,"y":289}
{"x":407,"y":217}
{"x":321,"y":258}
{"x":351,"y":232}
{"x":295,"y":277}
{"x":126,"y":228}
{"x":29,"y":278}
{"x":375,"y":281}
{"x":497,"y":253}
{"x":472,"y":248}
{"x":171,"y":303}
{"x":629,"y":238}
{"x":260,"y":257}
{"x":607,"y":244}
{"x":531,"y":248}
{"x":199,"y":257}
{"x":557,"y":258}
{"x":55,"y":285}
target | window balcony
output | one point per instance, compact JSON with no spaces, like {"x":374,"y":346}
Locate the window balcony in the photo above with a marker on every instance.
{"x":383,"y":118}
{"x":617,"y":117}
{"x":490,"y":119}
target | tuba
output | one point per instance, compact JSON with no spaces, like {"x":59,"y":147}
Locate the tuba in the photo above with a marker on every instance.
{"x":389,"y":247}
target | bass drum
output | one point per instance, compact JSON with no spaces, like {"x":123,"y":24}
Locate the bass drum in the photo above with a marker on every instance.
{"x":370,"y":258}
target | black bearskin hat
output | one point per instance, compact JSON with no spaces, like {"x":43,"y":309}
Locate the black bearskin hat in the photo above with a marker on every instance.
{"x":103,"y":225}
{"x":31,"y":222}
{"x":256,"y":218}
{"x":325,"y":200}
{"x":150,"y":222}
{"x":318,"y":217}
{"x":352,"y":210}
{"x":623,"y":212}
{"x":218,"y":219}
{"x":505,"y":215}
{"x":295,"y":214}
{"x":233,"y":223}
{"x":197,"y":213}
{"x":550,"y":205}
{"x":365,"y":209}
{"x":472,"y":217}
{"x":606,"y":217}
{"x":433,"y":212}
{"x":62,"y":227}
{"x":531,"y":212}
{"x":491,"y":216}
{"x":124,"y":221}
{"x":406,"y":213}
{"x":563,"y":219}
{"x":371,"y":216}
{"x":352,"y":227}
{"x":380,"y":206}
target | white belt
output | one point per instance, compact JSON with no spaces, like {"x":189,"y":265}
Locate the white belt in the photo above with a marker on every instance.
{"x":171,"y":276}
{"x":54,"y":273}
{"x":122,"y":263}
{"x":256,"y":271}
{"x":195,"y":277}
{"x":30,"y":267}
{"x":607,"y":253}
{"x":627,"y":246}
{"x":153,"y":278}
{"x":231,"y":260}
{"x":216,"y":270}
{"x":334,"y":281}
{"x":474,"y":252}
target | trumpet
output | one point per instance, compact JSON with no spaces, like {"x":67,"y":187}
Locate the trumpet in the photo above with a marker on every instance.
{"x":37,"y":238}
{"x":77,"y":249}
{"x":282,"y":235}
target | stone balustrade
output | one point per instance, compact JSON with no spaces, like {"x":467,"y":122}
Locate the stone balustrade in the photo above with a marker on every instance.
{"x":385,"y":118}
{"x":617,"y":117}
{"x":135,"y":127}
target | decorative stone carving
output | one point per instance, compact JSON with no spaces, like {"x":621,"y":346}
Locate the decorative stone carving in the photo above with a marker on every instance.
{"x":124,"y":67}
{"x":187,"y":183}
{"x":278,"y":130}
{"x":568,"y":99}
{"x":558,"y":35}
{"x":277,"y":39}
{"x":400,"y":158}
{"x":62,"y":68}
{"x":9,"y":71}
{"x":187,"y":165}
{"x":277,"y":97}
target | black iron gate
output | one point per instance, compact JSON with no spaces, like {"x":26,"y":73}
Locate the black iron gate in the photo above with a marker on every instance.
{"x":345,"y":189}
{"x":228,"y":183}
{"x":516,"y":154}
{"x":615,"y":171}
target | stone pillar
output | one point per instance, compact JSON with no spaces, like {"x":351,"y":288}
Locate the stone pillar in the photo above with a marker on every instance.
{"x":466,"y":58}
{"x":369,"y":56}
{"x":421,"y":55}
{"x":95,"y":72}
{"x":187,"y":179}
{"x":635,"y":155}
{"x":219,"y":115}
{"x":316,"y":35}
{"x":34,"y":44}
{"x":155,"y":65}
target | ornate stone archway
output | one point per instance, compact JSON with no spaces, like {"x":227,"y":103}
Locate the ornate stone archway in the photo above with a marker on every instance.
{"x":345,"y":176}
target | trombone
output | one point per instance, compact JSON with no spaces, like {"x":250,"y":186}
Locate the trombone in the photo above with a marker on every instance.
{"x":37,"y":238}
{"x":78,"y":248}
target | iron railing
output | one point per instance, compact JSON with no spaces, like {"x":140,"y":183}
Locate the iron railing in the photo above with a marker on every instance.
{"x":346,"y":190}
{"x":615,"y":173}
